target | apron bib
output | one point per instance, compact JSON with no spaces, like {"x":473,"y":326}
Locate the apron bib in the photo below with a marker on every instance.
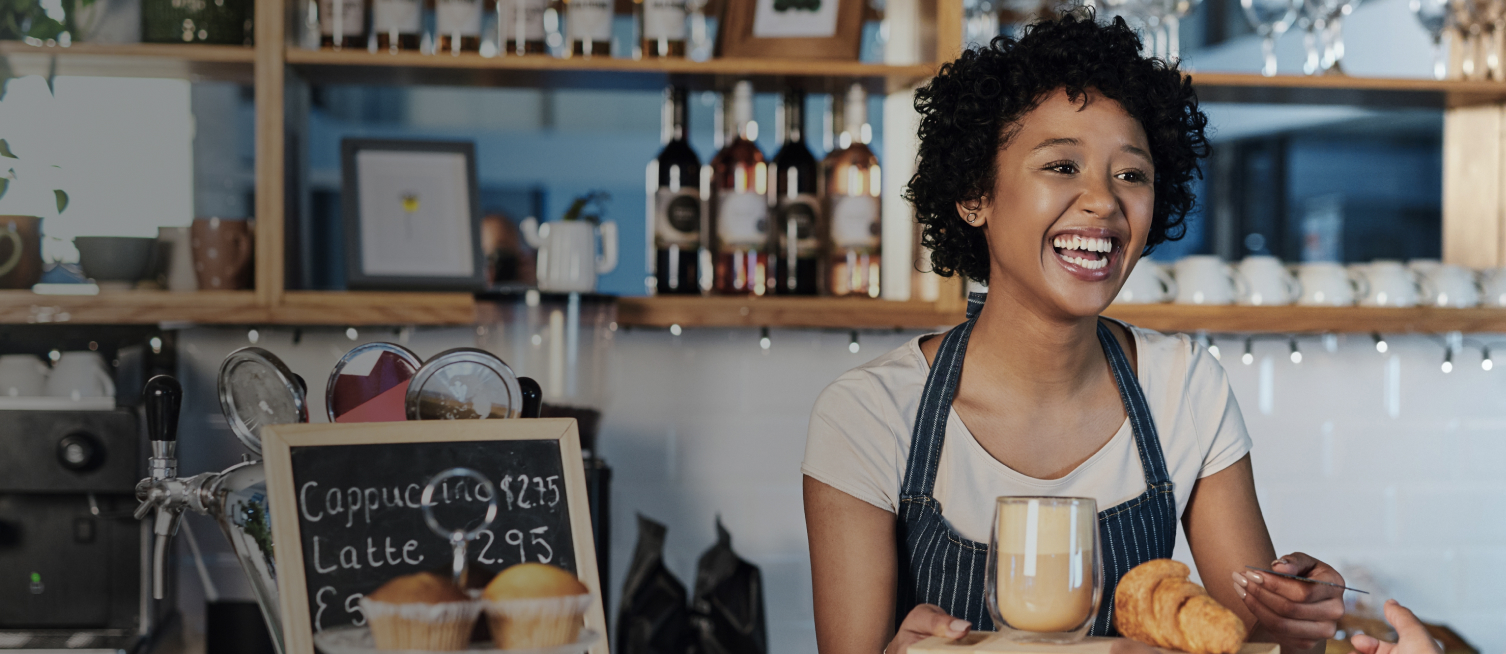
{"x":937,"y":566}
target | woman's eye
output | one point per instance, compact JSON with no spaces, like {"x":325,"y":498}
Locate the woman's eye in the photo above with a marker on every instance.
{"x":1063,"y":167}
{"x":1132,"y":176}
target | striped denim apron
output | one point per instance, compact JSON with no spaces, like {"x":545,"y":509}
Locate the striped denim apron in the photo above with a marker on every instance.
{"x":937,"y":566}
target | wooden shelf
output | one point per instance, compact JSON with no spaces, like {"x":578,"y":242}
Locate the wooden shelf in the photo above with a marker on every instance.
{"x":840,"y":313}
{"x":187,"y":61}
{"x":129,"y":307}
{"x":238,"y":308}
{"x":362,"y":67}
{"x":877,"y":314}
{"x":1343,"y":90}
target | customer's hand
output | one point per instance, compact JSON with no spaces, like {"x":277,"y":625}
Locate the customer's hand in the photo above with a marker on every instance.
{"x":924,"y":621}
{"x":1411,"y":636}
{"x":1294,"y":614}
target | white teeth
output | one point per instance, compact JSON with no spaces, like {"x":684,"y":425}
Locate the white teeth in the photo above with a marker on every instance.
{"x":1088,"y":244}
{"x":1090,"y":264}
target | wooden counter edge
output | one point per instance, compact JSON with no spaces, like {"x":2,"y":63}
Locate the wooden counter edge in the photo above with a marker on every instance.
{"x":988,"y":641}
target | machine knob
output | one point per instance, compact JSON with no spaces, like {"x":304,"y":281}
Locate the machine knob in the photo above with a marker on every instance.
{"x":163,"y":397}
{"x":80,"y":452}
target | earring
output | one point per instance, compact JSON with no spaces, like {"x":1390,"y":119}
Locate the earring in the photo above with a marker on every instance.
{"x":971,"y":217}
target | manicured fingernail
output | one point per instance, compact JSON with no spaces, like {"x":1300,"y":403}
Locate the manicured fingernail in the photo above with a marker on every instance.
{"x":1255,"y":577}
{"x":1239,"y":580}
{"x":959,"y":625}
{"x":1240,"y":590}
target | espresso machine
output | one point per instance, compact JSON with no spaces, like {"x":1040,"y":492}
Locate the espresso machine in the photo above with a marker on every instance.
{"x":72,"y":559}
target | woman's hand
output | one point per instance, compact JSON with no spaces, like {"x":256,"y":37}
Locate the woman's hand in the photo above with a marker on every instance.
{"x":1293,"y":613}
{"x":1411,"y":636}
{"x":928,"y":620}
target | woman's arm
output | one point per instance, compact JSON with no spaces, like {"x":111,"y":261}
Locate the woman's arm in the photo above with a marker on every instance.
{"x":1227,"y":532}
{"x":854,"y":570}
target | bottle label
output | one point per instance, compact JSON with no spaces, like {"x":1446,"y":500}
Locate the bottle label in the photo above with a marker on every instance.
{"x":742,"y":221}
{"x":589,"y":20}
{"x":525,"y":14}
{"x":351,"y":20}
{"x":677,"y":219}
{"x":457,"y":17}
{"x":401,"y":16}
{"x":855,"y":222}
{"x":664,"y":19}
{"x":798,"y":218}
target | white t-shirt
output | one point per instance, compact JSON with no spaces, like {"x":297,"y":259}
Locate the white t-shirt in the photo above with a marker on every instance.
{"x":861,"y":428}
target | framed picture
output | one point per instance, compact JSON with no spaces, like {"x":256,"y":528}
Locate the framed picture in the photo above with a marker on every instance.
{"x":795,"y":29}
{"x":412,"y":215}
{"x":349,"y":513}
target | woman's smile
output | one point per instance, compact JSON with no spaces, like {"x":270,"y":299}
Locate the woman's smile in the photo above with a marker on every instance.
{"x":1089,"y":254}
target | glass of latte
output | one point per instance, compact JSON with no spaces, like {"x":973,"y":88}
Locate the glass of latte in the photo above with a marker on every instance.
{"x":1044,"y":577}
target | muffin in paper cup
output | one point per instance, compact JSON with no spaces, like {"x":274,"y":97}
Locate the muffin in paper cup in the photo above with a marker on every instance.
{"x":536,"y":623}
{"x":533,"y":605}
{"x":420,"y":612}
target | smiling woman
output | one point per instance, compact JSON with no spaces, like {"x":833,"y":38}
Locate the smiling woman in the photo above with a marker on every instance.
{"x":1047,"y":167}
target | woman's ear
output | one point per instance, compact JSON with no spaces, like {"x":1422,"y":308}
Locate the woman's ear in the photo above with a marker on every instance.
{"x":973,"y":212}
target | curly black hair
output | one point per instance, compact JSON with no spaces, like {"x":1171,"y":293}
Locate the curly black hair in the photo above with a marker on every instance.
{"x":969,"y":108}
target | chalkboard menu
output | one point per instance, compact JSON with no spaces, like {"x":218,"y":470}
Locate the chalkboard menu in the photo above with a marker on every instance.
{"x":349,"y":496}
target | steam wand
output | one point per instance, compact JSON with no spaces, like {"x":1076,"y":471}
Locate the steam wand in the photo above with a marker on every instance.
{"x":164,"y":490}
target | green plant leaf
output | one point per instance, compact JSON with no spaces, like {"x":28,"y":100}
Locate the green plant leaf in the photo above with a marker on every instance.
{"x":5,"y":150}
{"x":62,"y":199}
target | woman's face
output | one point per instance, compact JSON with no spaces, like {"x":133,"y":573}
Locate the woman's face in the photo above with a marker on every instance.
{"x":1071,"y":205}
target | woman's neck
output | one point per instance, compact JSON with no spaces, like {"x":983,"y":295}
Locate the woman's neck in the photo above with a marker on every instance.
{"x":1031,"y":349}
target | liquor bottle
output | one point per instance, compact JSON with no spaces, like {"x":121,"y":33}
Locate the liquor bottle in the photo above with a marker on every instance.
{"x":588,"y":26}
{"x":457,"y":26}
{"x":342,"y":24}
{"x":739,"y":182}
{"x":661,"y":27}
{"x":397,"y":24}
{"x":520,"y":26}
{"x":851,"y":184}
{"x":796,"y":240}
{"x":676,"y":206}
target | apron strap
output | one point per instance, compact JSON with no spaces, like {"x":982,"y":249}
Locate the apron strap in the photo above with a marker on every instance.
{"x":1148,"y":442}
{"x":936,"y":405}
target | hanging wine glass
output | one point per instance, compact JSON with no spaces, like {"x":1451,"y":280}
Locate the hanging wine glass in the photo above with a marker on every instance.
{"x":1467,"y":23}
{"x":1331,"y":32}
{"x":980,"y":22}
{"x":1271,"y":19}
{"x":1492,"y":15}
{"x":1433,"y":15}
{"x":1309,"y":18}
{"x":461,"y":536}
{"x":1171,"y":13}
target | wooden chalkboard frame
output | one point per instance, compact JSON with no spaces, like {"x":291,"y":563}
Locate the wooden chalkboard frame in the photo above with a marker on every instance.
{"x":277,"y":444}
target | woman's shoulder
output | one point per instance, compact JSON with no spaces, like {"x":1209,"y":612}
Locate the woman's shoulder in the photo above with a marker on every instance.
{"x":891,"y":377}
{"x":1172,"y":361}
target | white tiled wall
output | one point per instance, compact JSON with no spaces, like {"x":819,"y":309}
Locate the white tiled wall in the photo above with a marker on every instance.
{"x":1362,"y":459}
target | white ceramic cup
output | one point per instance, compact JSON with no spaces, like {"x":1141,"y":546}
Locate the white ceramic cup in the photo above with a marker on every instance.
{"x":177,"y":259}
{"x":22,"y":375}
{"x":1493,"y":287}
{"x":1206,"y":279}
{"x":1326,"y":284}
{"x":1148,"y":283}
{"x":1267,"y":282}
{"x":567,"y":259}
{"x":81,"y":374}
{"x":1446,"y":284}
{"x":1389,"y":284}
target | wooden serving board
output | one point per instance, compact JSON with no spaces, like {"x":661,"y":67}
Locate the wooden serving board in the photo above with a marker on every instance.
{"x":988,"y":641}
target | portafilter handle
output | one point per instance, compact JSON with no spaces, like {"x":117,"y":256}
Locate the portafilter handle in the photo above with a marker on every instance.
{"x":162,"y":491}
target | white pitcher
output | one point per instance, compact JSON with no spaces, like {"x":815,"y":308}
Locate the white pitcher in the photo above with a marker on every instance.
{"x":568,"y":262}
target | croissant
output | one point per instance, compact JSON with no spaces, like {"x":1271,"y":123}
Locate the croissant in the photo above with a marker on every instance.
{"x":1156,"y":604}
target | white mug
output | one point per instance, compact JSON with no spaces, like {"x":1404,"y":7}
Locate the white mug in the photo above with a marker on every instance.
{"x":1326,"y":284}
{"x":1206,"y":279}
{"x":1493,"y":287}
{"x":1446,"y":285}
{"x":1267,"y":282}
{"x":1390,"y":283}
{"x":1148,"y":283}
{"x":567,"y":260}
{"x":22,"y":375}
{"x":81,"y":374}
